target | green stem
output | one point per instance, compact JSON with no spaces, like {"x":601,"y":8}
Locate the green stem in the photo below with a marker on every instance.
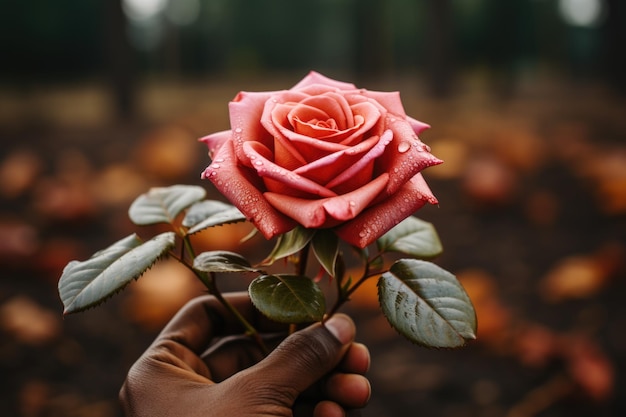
{"x":209,"y":281}
{"x":303,"y":259}
{"x":344,"y":295}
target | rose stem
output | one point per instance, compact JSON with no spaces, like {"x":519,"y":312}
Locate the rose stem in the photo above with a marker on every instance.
{"x":302,"y":260}
{"x":300,"y":265}
{"x":344,"y":296}
{"x":209,"y":282}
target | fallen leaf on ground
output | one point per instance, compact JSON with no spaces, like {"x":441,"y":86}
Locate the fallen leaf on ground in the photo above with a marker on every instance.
{"x":581,"y":276}
{"x":18,"y":172}
{"x":28,"y":322}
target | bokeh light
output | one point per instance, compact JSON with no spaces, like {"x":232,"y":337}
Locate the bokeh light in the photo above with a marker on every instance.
{"x":584,"y":13}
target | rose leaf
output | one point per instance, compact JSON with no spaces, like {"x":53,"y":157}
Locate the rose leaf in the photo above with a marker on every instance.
{"x":288,"y":298}
{"x":326,"y":249}
{"x":209,"y":213}
{"x":413,"y":237}
{"x":88,"y":283}
{"x":289,"y":244}
{"x":426,"y":304}
{"x":163,"y":204}
{"x":222,"y":261}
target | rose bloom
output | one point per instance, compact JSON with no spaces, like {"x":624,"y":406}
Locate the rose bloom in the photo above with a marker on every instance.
{"x":323,"y":154}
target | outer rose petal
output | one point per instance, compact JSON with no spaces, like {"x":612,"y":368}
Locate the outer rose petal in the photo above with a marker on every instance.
{"x":389,"y":100}
{"x":317,"y":78}
{"x":245,"y":121}
{"x":215,"y":141}
{"x":233,"y":182}
{"x":418,"y":127}
{"x":377,"y":220}
{"x":328,"y":212}
{"x":406,"y":156}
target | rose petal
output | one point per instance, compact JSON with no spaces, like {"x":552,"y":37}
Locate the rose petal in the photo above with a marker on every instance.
{"x":268,"y":169}
{"x":418,"y":127}
{"x":389,"y":100}
{"x":308,"y":213}
{"x":327,"y":212}
{"x":216,"y":140}
{"x":377,"y":220}
{"x":349,"y":205}
{"x":246,"y":111}
{"x":317,"y":78}
{"x":366,"y":115}
{"x":334,"y":105}
{"x":406,"y":156}
{"x":237,"y":186}
{"x":333,"y":165}
{"x":367,"y":159}
{"x":297,"y":145}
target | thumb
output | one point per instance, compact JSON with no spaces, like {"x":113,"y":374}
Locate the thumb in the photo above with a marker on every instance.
{"x":305,"y":357}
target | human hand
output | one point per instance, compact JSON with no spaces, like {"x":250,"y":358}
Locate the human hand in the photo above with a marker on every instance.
{"x":318,"y":371}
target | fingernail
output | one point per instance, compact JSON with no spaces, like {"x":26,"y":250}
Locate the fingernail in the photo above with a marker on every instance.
{"x":340,"y":327}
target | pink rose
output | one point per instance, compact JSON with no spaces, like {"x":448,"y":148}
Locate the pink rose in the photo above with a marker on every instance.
{"x":323,"y":154}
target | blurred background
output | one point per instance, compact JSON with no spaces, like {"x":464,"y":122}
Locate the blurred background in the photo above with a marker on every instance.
{"x":100,"y":100}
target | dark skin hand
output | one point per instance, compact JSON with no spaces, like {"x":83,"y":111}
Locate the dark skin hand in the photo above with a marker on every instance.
{"x":200,"y":365}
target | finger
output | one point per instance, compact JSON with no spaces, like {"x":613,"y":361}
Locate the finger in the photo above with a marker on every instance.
{"x":304,"y":357}
{"x":356,"y":360}
{"x":199,"y":321}
{"x":349,"y":390}
{"x":205,"y":318}
{"x":328,"y":409}
{"x":234,"y":353}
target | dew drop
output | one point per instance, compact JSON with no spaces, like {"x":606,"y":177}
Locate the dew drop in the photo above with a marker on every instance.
{"x":403,"y":147}
{"x":352,"y":204}
{"x":215,"y":166}
{"x":238,"y":130}
{"x":259,"y":163}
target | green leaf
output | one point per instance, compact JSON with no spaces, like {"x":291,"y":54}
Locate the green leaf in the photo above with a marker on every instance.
{"x":288,"y":298}
{"x":426,"y":304}
{"x":413,"y":237}
{"x":222,"y":261}
{"x":326,"y":249}
{"x":209,"y":213}
{"x":289,"y":243}
{"x":163,"y":204}
{"x":88,"y":283}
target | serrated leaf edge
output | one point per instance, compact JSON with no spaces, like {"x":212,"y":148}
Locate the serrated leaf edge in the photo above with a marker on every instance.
{"x":463,"y":338}
{"x":68,"y":309}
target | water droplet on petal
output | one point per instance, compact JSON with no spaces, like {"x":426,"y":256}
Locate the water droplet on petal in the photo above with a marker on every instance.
{"x":238,"y":130}
{"x":403,"y":147}
{"x":215,"y":166}
{"x":259,"y":163}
